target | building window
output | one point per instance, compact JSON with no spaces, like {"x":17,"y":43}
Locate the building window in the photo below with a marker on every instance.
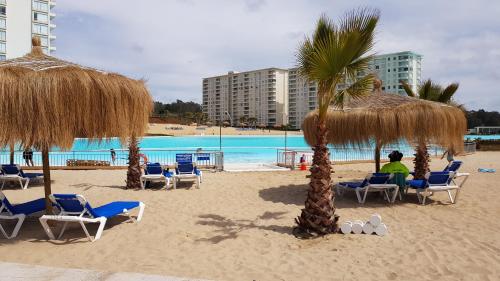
{"x":3,"y":23}
{"x":376,"y":67}
{"x":40,"y":6}
{"x":388,"y":58}
{"x":388,"y":87}
{"x":389,"y":70}
{"x":2,"y":47}
{"x":3,"y":10}
{"x":2,"y":57}
{"x":40,"y":17}
{"x":44,"y":41}
{"x":2,"y":35}
{"x":41,"y":29}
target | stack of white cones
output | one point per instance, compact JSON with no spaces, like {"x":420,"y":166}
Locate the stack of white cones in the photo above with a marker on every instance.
{"x":373,"y":225}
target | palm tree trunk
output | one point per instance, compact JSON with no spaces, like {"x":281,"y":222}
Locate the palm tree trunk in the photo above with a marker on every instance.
{"x":421,"y":161}
{"x":318,"y":217}
{"x":134,"y":170}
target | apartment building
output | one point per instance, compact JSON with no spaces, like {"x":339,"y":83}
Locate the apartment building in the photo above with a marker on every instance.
{"x":394,"y":67}
{"x":260,"y":94}
{"x":390,"y":68}
{"x":20,"y":20}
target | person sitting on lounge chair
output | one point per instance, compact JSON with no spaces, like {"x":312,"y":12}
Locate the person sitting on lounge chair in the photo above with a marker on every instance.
{"x":397,"y":168}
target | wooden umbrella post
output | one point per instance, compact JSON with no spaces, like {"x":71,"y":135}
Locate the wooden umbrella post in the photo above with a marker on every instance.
{"x":377,"y":156}
{"x":11,"y":146}
{"x":46,"y":178}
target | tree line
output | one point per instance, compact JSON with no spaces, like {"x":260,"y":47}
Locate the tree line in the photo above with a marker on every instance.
{"x":192,"y":112}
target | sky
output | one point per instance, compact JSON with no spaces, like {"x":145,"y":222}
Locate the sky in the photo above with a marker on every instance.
{"x":173,"y":44}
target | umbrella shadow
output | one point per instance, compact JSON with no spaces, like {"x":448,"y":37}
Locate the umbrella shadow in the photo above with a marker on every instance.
{"x":227,"y":228}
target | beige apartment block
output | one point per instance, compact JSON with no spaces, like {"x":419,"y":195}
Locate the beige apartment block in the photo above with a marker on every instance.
{"x":260,"y":94}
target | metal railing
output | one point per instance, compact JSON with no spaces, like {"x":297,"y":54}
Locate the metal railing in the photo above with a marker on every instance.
{"x":209,"y":159}
{"x":291,"y":158}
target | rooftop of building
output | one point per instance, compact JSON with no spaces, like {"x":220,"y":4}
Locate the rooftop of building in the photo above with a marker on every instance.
{"x":398,"y":54}
{"x":243,"y":72}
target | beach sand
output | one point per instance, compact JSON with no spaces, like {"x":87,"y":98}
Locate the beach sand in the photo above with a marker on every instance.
{"x":166,"y":129}
{"x":238,"y":227}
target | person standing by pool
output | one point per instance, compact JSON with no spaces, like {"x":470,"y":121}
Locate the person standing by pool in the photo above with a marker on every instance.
{"x":28,"y":157}
{"x":449,"y":155}
{"x":113,"y":155}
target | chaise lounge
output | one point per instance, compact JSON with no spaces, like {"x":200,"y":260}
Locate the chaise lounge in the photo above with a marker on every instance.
{"x":372,"y":183}
{"x":13,"y":172}
{"x":18,"y":212}
{"x":75,"y":208}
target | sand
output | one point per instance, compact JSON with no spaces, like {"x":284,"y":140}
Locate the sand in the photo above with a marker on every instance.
{"x":166,"y":129}
{"x":238,"y":227}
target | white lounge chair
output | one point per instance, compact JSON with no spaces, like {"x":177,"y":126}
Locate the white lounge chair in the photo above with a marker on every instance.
{"x":75,"y":208}
{"x":15,"y":173}
{"x":154,"y":172}
{"x":375,"y":182}
{"x":18,"y":212}
{"x":436,"y":182}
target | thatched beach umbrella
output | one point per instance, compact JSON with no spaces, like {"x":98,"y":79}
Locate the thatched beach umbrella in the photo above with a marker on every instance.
{"x":46,"y":102}
{"x":388,"y":118}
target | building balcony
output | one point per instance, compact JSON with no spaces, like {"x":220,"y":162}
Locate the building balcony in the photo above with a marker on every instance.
{"x":52,"y":48}
{"x":52,"y":37}
{"x":52,"y":15}
{"x":52,"y":25}
{"x":52,"y":3}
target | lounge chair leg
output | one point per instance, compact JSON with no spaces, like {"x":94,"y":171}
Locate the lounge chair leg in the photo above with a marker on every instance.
{"x":100,"y":229}
{"x":63,"y":229}
{"x":395,"y":195}
{"x":360,"y":200}
{"x":451,"y":197}
{"x":141,"y":211}
{"x":364,"y":196}
{"x":419,"y":196}
{"x":20,"y":219}
{"x":3,"y":183}
{"x":47,"y":229}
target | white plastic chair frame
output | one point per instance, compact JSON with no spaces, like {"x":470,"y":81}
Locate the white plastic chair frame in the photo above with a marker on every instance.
{"x":423,"y":193}
{"x":5,"y":214}
{"x":371,"y":188}
{"x":80,"y":217}
{"x":190,"y":175}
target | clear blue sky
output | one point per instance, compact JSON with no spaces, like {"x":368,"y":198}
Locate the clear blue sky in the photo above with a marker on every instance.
{"x":174,"y":43}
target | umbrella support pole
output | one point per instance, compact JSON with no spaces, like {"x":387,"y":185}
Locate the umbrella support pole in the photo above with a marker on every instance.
{"x":46,"y":179}
{"x":377,"y":157}
{"x":11,"y":158}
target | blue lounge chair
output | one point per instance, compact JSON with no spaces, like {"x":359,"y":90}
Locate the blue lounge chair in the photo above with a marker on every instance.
{"x":373,"y":182}
{"x":18,"y":212}
{"x":155,"y":172}
{"x":435,"y":182}
{"x":185,"y":168}
{"x":15,"y":173}
{"x":75,"y":208}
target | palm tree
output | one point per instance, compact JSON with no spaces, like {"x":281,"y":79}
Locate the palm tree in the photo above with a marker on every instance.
{"x":334,"y":55}
{"x":428,"y":90}
{"x":252,"y":121}
{"x":134,"y":170}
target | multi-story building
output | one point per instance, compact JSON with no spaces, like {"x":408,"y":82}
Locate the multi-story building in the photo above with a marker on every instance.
{"x":390,"y":68}
{"x":394,"y":67}
{"x":260,"y":94}
{"x":302,"y":98}
{"x":20,"y":20}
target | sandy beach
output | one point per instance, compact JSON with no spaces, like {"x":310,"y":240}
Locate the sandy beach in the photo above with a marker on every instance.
{"x":183,"y":130}
{"x":238,"y":226}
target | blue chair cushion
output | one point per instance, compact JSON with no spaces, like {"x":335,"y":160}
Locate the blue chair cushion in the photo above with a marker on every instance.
{"x":32,"y":175}
{"x":29,"y":208}
{"x":112,"y":209}
{"x":416,"y":183}
{"x":353,"y":184}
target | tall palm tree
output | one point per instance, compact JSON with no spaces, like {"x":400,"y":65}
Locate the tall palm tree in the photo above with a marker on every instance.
{"x":134,"y":169}
{"x":428,"y":90}
{"x":334,"y":55}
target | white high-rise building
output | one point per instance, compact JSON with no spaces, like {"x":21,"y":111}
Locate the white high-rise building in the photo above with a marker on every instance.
{"x":261,"y":94}
{"x":20,"y":20}
{"x":394,"y":67}
{"x":390,"y":69}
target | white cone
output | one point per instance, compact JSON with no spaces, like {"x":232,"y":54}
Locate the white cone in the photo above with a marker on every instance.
{"x":381,"y":230}
{"x":357,"y":227}
{"x":375,"y":220}
{"x":346,"y":227}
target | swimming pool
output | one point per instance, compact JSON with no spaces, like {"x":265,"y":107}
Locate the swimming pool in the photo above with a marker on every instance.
{"x":237,"y":149}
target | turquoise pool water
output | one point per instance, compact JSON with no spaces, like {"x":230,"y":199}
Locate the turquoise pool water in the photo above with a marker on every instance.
{"x":237,"y":149}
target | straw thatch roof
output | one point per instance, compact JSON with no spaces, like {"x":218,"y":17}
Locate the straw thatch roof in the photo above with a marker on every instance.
{"x":45,"y":101}
{"x":388,"y":118}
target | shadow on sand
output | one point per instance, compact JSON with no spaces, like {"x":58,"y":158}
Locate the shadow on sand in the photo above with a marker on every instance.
{"x":231,"y":228}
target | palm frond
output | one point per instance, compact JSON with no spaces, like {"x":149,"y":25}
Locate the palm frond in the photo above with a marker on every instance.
{"x":424,"y":91}
{"x":356,"y":90}
{"x":408,"y":89}
{"x":446,"y":95}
